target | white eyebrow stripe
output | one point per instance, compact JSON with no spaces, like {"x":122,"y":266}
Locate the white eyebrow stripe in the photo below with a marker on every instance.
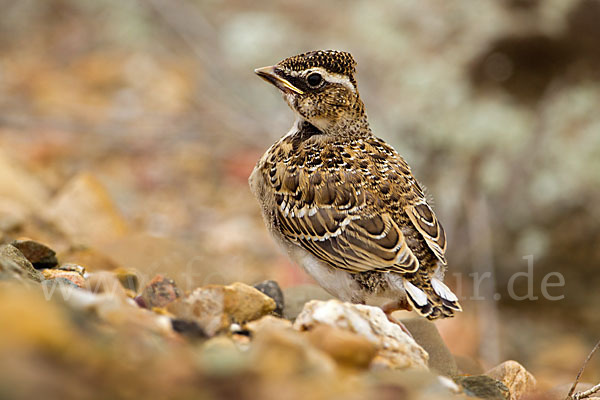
{"x":328,"y":76}
{"x":335,"y":78}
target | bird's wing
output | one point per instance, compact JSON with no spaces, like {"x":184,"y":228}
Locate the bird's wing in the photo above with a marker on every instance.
{"x":349,"y":215}
{"x":340,"y":228}
{"x":413,"y":200}
{"x":425,"y":221}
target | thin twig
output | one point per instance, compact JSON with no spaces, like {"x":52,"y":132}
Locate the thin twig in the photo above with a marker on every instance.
{"x":580,"y":395}
{"x":587,"y":393}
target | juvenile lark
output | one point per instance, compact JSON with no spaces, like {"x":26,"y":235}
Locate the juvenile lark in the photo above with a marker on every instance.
{"x":342,"y":202}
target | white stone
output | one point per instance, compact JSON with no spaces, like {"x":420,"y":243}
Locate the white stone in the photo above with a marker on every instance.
{"x":396,"y":349}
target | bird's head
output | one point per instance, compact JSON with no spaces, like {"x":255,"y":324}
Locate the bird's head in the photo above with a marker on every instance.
{"x":320,"y":87}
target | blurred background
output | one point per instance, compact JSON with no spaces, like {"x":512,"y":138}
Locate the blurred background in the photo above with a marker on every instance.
{"x":141,"y":120}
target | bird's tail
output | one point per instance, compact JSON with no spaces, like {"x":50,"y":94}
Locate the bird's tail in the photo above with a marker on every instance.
{"x":430,"y":297}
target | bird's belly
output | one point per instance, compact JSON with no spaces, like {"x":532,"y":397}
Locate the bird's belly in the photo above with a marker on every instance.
{"x":337,"y":282}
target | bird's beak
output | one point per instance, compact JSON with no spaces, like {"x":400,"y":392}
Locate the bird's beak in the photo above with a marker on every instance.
{"x":269,"y":75}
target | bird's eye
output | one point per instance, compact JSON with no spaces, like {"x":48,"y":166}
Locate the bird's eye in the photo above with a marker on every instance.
{"x":314,"y":79}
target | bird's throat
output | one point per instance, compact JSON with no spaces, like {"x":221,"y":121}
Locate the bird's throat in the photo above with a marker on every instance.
{"x":306,"y":130}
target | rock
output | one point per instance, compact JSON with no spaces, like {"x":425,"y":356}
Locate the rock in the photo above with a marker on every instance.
{"x":395,"y":349}
{"x":159,"y":292}
{"x":49,"y":285}
{"x":267,"y":322}
{"x":297,"y":296}
{"x":215,"y":307}
{"x":483,"y":387}
{"x":348,"y":349}
{"x":38,"y":254}
{"x":50,"y":349}
{"x":280,"y":353}
{"x":205,"y":306}
{"x":73,"y":268}
{"x":187,"y":328}
{"x":272,"y":289}
{"x":13,"y":264}
{"x":426,"y":334}
{"x":75,"y":277}
{"x":220,"y":355}
{"x":128,"y":278}
{"x":118,"y":311}
{"x":139,"y":300}
{"x":84,"y":210}
{"x":516,"y":378}
{"x":241,"y":340}
{"x":28,"y":319}
{"x":245,"y":303}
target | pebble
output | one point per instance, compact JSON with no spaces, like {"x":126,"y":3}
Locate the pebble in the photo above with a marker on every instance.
{"x":215,"y":307}
{"x":38,"y":254}
{"x":348,"y":349}
{"x":282,"y":353}
{"x":518,"y":380}
{"x":159,"y":292}
{"x":73,"y":268}
{"x":483,"y":387}
{"x":272,"y":289}
{"x":188,"y":328}
{"x":48,"y":283}
{"x":128,"y":278}
{"x":14,"y":265}
{"x":221,"y":356}
{"x":395,"y":348}
{"x":72,"y":276}
{"x":267,"y":322}
{"x":245,"y":303}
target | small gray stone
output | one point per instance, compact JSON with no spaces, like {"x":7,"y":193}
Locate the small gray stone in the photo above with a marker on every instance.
{"x":13,"y":264}
{"x":188,"y":328}
{"x":483,"y":387}
{"x":49,"y":283}
{"x":272,"y":289}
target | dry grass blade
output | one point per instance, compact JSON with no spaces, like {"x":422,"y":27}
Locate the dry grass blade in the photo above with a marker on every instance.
{"x":587,"y":393}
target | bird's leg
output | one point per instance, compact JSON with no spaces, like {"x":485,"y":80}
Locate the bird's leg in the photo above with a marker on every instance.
{"x":397,"y":305}
{"x":389,"y":308}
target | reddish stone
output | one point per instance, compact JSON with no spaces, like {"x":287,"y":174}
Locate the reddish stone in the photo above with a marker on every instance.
{"x":159,"y":292}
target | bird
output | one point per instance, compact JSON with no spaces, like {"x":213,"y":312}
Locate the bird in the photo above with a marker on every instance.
{"x":342,"y":202}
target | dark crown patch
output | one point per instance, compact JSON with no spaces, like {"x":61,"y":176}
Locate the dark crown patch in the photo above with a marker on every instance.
{"x":339,"y":62}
